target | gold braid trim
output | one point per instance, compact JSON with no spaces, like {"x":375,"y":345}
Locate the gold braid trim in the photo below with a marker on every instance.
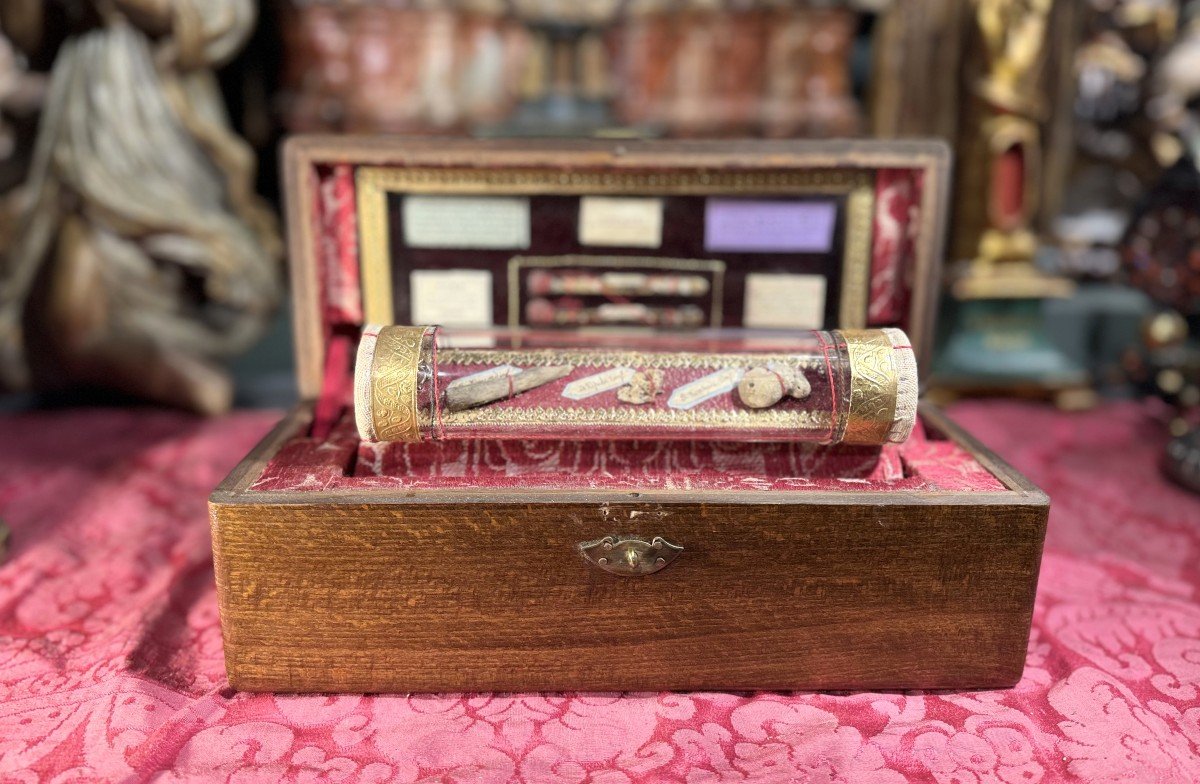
{"x":702,"y":419}
{"x":618,"y":358}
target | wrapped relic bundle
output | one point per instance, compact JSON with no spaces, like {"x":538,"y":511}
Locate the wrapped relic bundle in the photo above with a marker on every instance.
{"x":856,"y":387}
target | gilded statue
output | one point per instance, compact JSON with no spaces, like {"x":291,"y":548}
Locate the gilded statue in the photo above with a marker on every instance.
{"x":1013,"y":33}
{"x":140,"y":256}
{"x":1001,"y":149}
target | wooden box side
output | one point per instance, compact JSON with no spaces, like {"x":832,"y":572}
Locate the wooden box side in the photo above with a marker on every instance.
{"x":434,"y":597}
{"x":377,"y":591}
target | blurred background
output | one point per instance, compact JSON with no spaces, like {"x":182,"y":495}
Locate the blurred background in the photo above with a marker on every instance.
{"x":140,"y":252}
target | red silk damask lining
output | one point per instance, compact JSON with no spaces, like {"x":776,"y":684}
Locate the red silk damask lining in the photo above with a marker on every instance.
{"x":339,"y":460}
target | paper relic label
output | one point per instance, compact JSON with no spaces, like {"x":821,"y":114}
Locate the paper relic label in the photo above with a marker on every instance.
{"x":600,"y":382}
{"x":693,"y":394}
{"x":451,"y":298}
{"x":784,"y":301}
{"x":620,"y":222}
{"x":622,"y":311}
{"x":469,"y":222}
{"x":769,"y":226}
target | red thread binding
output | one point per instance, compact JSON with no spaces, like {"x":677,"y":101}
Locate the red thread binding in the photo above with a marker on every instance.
{"x":779,"y":376}
{"x":833,"y":395}
{"x":437,"y":394}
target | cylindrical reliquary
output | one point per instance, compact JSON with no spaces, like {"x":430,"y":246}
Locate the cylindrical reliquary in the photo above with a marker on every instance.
{"x":851,"y":386}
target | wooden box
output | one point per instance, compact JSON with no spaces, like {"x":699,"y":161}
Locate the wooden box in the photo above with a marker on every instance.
{"x":457,"y":567}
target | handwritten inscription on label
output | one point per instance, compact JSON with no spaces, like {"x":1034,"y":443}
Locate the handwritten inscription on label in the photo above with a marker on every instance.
{"x":599,"y":382}
{"x":696,"y":392}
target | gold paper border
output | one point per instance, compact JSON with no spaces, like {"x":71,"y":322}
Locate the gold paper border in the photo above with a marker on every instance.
{"x":517,"y":263}
{"x":375,"y":183}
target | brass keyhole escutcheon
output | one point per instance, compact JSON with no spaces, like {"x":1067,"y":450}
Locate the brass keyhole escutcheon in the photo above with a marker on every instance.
{"x":630,"y":556}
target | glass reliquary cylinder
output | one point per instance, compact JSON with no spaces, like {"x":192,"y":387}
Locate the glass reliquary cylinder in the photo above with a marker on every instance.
{"x":419,"y":383}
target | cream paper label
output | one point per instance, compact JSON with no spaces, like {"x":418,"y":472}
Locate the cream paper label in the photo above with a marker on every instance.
{"x":469,"y":222}
{"x":620,"y":222}
{"x":696,"y":392}
{"x":451,"y":298}
{"x":622,"y":311}
{"x":784,"y":300}
{"x":600,"y":382}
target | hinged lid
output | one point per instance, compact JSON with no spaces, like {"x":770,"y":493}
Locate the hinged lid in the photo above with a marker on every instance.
{"x":520,"y":232}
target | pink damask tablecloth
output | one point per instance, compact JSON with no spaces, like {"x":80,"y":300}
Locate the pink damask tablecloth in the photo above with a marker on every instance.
{"x":110,"y":651}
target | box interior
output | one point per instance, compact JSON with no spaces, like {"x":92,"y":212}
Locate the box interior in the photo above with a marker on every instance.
{"x":329,"y":455}
{"x":337,"y":460}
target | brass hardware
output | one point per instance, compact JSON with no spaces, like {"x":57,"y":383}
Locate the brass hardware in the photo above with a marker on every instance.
{"x":629,"y":556}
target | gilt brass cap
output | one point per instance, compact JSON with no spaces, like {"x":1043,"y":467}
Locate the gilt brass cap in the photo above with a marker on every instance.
{"x":883,"y":386}
{"x":387,"y":383}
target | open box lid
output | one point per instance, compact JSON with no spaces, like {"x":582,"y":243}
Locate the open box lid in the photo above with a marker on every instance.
{"x":849,"y":233}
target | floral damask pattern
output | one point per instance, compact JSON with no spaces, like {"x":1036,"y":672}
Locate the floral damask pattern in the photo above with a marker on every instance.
{"x":310,"y":463}
{"x":111,"y":670}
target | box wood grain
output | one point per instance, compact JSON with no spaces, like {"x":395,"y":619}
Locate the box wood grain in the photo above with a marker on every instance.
{"x":472,"y":591}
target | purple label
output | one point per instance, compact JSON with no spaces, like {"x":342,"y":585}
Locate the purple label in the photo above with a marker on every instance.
{"x":773,"y":226}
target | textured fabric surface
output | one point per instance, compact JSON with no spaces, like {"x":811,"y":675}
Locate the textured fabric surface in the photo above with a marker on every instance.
{"x":898,"y":194}
{"x":110,"y":651}
{"x":338,"y":460}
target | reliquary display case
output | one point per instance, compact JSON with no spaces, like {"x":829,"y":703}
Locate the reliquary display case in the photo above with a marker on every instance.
{"x":489,"y":565}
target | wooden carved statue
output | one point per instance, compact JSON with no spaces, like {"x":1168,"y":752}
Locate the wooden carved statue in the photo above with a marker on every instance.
{"x":140,"y":256}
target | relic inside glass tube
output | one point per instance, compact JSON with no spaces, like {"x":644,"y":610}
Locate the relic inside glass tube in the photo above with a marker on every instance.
{"x":420,"y":383}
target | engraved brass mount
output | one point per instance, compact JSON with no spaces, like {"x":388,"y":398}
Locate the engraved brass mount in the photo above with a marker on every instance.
{"x":629,"y":556}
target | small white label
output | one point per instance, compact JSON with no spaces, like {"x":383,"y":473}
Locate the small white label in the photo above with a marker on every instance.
{"x":693,"y":394}
{"x":620,"y":222}
{"x":471,"y":222}
{"x":483,"y":375}
{"x":610,"y":312}
{"x":625,"y":281}
{"x":600,"y":382}
{"x":784,"y":300}
{"x":451,"y":298}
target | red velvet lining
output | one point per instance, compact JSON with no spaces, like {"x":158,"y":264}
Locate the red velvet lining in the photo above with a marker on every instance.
{"x":338,"y":245}
{"x":341,"y":462}
{"x":336,"y":217}
{"x":897,"y":217}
